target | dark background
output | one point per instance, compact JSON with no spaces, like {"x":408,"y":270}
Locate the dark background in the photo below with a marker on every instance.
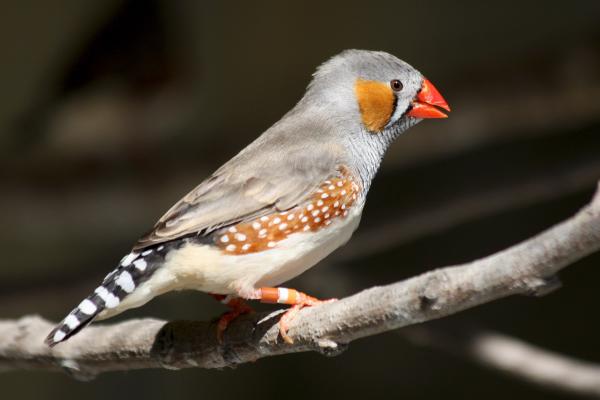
{"x":111,"y":110}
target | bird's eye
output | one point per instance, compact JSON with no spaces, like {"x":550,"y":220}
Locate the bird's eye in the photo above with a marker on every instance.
{"x":396,"y":85}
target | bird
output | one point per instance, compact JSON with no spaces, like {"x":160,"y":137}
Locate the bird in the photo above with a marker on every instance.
{"x":282,"y":204}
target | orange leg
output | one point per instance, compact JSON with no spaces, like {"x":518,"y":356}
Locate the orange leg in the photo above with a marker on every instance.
{"x":237,"y":306}
{"x":296,"y":299}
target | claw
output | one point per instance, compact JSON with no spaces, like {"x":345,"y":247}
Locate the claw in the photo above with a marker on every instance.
{"x":238,"y":307}
{"x":292,"y":312}
{"x":296,"y":299}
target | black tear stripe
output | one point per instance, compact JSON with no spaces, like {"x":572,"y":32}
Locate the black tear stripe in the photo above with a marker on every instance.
{"x":133,"y":270}
{"x":394,"y":106}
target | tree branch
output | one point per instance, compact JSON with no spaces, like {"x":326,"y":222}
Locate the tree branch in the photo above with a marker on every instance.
{"x":526,"y":268}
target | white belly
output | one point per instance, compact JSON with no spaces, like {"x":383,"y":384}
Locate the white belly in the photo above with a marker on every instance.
{"x":205,"y":268}
{"x":208,"y":269}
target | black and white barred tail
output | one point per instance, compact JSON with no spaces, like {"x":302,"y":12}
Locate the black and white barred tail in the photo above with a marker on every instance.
{"x":133,"y":270}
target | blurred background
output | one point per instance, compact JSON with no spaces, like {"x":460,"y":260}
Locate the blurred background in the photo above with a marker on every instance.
{"x":111,"y":110}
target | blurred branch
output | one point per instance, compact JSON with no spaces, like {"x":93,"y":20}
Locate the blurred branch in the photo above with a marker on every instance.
{"x":526,"y":268}
{"x":514,"y":357}
{"x":451,"y":212}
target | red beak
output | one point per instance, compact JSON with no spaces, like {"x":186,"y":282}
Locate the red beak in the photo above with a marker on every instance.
{"x":427,"y":101}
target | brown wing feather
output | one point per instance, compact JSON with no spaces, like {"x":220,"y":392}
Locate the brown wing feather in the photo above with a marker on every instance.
{"x":255,"y":182}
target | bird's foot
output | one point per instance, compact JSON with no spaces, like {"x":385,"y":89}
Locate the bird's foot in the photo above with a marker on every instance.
{"x":238,"y":307}
{"x":296,"y":299}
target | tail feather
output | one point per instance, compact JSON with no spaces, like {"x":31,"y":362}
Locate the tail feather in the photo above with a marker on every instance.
{"x":133,"y":270}
{"x":77,"y":319}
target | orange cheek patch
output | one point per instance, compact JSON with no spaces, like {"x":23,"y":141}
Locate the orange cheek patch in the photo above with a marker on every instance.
{"x":375,"y":102}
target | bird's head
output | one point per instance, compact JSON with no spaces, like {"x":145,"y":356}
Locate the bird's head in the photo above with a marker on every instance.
{"x":364,"y":100}
{"x":375,"y":91}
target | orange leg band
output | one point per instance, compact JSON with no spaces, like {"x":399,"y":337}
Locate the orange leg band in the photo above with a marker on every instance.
{"x":285,"y":296}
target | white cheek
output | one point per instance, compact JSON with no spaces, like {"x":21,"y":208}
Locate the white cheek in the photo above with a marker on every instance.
{"x":401,"y":106}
